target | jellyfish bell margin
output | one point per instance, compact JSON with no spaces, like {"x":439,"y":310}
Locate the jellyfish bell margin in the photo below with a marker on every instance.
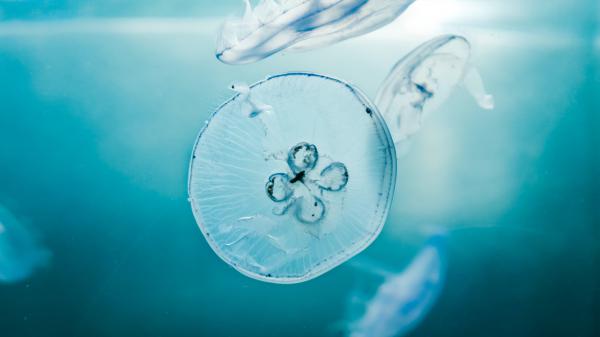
{"x":288,"y":195}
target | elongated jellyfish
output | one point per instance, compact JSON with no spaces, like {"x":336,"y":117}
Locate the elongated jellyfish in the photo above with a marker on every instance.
{"x":424,"y":79}
{"x":20,"y":253}
{"x":273,"y":26}
{"x":403,"y":299}
{"x":289,"y":193}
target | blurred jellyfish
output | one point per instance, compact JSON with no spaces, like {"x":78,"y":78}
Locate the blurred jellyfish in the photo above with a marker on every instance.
{"x":20,"y":254}
{"x":422,"y":80}
{"x":287,"y":195}
{"x":275,"y":25}
{"x":403,"y":299}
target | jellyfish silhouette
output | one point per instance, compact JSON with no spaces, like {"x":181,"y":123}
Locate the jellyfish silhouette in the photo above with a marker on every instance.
{"x":424,"y":79}
{"x":20,"y":253}
{"x":403,"y":299}
{"x":291,"y":192}
{"x":273,"y":26}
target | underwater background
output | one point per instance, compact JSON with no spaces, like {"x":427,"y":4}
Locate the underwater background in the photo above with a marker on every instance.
{"x":100,"y":104}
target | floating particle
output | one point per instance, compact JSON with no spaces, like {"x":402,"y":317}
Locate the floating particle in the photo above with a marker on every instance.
{"x":422,"y":80}
{"x":20,"y":253}
{"x":403,"y":299}
{"x":288,"y":195}
{"x":273,"y":26}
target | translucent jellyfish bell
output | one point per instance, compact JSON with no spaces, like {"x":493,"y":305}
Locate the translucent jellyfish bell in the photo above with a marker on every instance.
{"x":424,"y":79}
{"x":289,"y":193}
{"x":20,"y":254}
{"x":273,"y":25}
{"x":403,"y":299}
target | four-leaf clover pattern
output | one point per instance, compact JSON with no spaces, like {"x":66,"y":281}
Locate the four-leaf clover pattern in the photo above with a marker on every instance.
{"x":301,"y":189}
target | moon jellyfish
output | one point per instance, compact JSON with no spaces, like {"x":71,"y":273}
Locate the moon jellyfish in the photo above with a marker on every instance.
{"x":403,"y":299}
{"x":422,"y":80}
{"x":292,"y":192}
{"x":20,"y":254}
{"x":275,"y":25}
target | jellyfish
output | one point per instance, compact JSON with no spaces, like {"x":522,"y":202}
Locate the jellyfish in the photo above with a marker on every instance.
{"x":287,"y":195}
{"x":275,"y":25}
{"x":403,"y":299}
{"x":252,"y":107}
{"x":20,"y":253}
{"x":422,"y":80}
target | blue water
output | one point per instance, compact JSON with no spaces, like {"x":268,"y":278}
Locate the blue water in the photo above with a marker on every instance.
{"x":100,"y":103}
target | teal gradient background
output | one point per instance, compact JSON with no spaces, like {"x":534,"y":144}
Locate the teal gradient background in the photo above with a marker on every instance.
{"x":100,"y":104}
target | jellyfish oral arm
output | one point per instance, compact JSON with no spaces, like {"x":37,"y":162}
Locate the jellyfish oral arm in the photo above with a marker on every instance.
{"x":255,"y":108}
{"x":474,"y":84}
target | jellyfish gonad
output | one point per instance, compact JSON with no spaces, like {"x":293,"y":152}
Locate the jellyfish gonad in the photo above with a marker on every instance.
{"x":422,"y":80}
{"x":403,"y":299}
{"x":290,"y":192}
{"x":275,"y":25}
{"x":20,"y":253}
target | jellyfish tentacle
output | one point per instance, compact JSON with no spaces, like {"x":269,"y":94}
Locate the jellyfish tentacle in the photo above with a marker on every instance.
{"x":250,"y":19}
{"x":266,"y":10}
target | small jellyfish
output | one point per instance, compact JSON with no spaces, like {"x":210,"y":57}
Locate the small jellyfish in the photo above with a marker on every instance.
{"x":403,"y":299}
{"x":275,"y":25}
{"x":20,"y":253}
{"x":422,"y":80}
{"x":288,"y":195}
{"x":251,"y":108}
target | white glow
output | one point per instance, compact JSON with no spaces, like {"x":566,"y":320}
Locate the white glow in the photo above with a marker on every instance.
{"x":110,"y":26}
{"x":427,"y":17}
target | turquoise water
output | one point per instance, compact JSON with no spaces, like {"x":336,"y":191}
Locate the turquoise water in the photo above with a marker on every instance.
{"x":100,"y":103}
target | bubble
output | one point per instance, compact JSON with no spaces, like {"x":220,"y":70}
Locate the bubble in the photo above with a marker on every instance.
{"x":424,"y":79}
{"x":290,"y":194}
{"x":273,"y":26}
